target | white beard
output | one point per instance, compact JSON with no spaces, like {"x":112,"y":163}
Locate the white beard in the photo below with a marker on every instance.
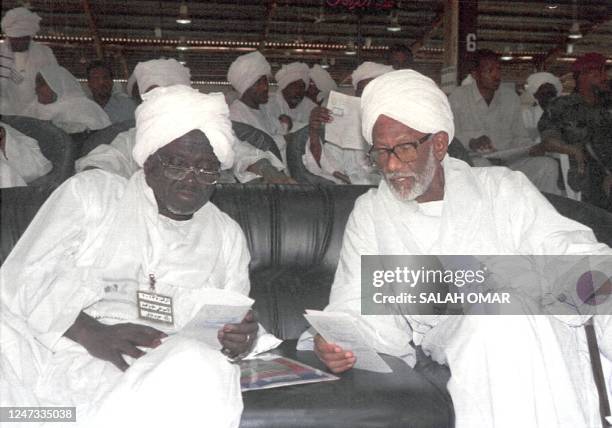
{"x":422,"y":181}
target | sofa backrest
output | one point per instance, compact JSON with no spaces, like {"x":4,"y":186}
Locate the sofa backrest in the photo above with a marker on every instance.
{"x":294,"y":234}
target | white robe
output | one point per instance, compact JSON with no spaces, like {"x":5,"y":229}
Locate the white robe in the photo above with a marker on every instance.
{"x":21,"y":83}
{"x":115,"y":157}
{"x":531,"y":116}
{"x":22,"y":161}
{"x":73,"y":115}
{"x":506,"y":371}
{"x":247,"y":155}
{"x":300,"y":115}
{"x":111,"y":238}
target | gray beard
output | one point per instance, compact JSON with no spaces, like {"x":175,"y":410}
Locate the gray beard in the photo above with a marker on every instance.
{"x":421,"y":183}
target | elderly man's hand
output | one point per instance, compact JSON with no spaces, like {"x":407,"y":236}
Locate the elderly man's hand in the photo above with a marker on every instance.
{"x":334,"y":357}
{"x":319,"y":116}
{"x":111,"y":342}
{"x":481,"y":144}
{"x":238,"y":339}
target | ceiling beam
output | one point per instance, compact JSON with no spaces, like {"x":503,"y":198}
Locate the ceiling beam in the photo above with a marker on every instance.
{"x":93,"y":28}
{"x":436,"y":23}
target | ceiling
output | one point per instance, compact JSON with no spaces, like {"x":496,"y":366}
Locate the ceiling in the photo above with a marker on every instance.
{"x":312,"y":31}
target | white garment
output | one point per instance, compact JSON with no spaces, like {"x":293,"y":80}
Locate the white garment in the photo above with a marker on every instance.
{"x":535,"y":80}
{"x":323,"y":81}
{"x":246,"y":70}
{"x":112,"y":239}
{"x":531,"y":117}
{"x":502,"y":122}
{"x":22,"y":161}
{"x":292,"y":72}
{"x":21,"y":83}
{"x":300,"y":115}
{"x":120,"y":107}
{"x":115,"y":157}
{"x":369,"y":70}
{"x":506,"y":372}
{"x":160,"y":72}
{"x":246,"y":154}
{"x":20,"y":22}
{"x":72,"y":111}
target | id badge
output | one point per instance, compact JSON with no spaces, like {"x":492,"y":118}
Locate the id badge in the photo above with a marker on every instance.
{"x":155,"y":307}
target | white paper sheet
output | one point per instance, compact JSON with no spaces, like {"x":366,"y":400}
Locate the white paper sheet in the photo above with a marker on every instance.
{"x":341,"y":329}
{"x":345,"y":129}
{"x":225,"y":307}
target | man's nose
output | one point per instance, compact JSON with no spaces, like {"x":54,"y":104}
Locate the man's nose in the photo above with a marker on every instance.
{"x":393,"y":163}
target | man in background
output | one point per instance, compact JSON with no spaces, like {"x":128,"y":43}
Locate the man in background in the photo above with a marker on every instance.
{"x":117,"y":105}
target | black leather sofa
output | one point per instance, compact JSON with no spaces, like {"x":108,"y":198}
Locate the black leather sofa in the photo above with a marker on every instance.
{"x":295,"y":234}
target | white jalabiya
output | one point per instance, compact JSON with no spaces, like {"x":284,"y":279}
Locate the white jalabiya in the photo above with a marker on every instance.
{"x":531,"y":116}
{"x":247,"y":155}
{"x":300,"y":115}
{"x":19,"y":79}
{"x":72,"y":111}
{"x":502,"y":122}
{"x":22,"y":160}
{"x":112,"y":239}
{"x":115,"y":157}
{"x":506,"y":371}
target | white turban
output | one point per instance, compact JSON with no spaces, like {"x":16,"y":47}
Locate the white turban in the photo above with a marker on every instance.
{"x":246,"y":70}
{"x":410,"y":98}
{"x":167,"y":113}
{"x":538,"y":79}
{"x":293,"y":72}
{"x":20,"y":22}
{"x":369,"y":70}
{"x":323,"y":81}
{"x":161,"y":72}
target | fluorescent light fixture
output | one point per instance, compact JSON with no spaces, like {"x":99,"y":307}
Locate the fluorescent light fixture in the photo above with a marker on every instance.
{"x":182,"y":46}
{"x":351,"y":49}
{"x":324,"y":63}
{"x":183,"y":17}
{"x":394,"y":25}
{"x":506,"y":56}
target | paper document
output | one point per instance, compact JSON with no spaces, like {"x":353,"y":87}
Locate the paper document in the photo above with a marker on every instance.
{"x":225,"y":307}
{"x":342,"y":329}
{"x":508,"y":153}
{"x":345,"y":130}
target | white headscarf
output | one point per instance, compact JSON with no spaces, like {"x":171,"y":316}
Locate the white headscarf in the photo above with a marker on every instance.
{"x":246,"y":70}
{"x":538,"y":79}
{"x":323,"y":81}
{"x":290,"y":73}
{"x":161,"y":72}
{"x":369,"y":70}
{"x":62,"y":82}
{"x":410,"y":98}
{"x":167,"y":113}
{"x":20,"y":22}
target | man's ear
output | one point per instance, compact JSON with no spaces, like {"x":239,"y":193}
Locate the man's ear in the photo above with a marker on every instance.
{"x":440,"y":144}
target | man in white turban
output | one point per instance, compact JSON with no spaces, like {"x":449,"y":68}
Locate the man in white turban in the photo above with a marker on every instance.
{"x":20,"y":158}
{"x":73,"y":330}
{"x":21,"y":58}
{"x":365,"y":73}
{"x":116,"y":157}
{"x":542,"y":88}
{"x":249,"y":75}
{"x":321,"y":84}
{"x":61,"y":99}
{"x":506,"y":371}
{"x":488,"y":118}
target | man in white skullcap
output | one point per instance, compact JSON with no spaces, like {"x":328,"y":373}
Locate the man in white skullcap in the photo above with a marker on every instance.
{"x":21,"y":160}
{"x":21,"y":58}
{"x":60,"y":99}
{"x":488,"y":118}
{"x":542,"y":87}
{"x":116,"y":157}
{"x":74,"y":332}
{"x":506,"y":371}
{"x":249,"y":75}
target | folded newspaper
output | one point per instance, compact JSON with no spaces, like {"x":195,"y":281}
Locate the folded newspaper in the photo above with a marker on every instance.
{"x":342,"y":329}
{"x":273,"y":371}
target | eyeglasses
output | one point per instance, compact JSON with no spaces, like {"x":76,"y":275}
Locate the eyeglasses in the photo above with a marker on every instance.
{"x":405,"y":152}
{"x":178,"y":173}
